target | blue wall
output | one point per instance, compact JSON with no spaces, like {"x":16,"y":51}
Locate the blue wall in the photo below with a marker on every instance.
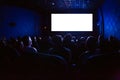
{"x":27,"y":22}
{"x":111,"y":14}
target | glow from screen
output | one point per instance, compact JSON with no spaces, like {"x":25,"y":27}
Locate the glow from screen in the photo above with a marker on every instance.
{"x":71,"y":22}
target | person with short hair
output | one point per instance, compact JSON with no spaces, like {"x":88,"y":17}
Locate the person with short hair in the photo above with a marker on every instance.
{"x":28,"y":45}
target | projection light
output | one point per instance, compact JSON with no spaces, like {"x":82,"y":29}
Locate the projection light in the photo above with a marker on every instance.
{"x":72,"y":22}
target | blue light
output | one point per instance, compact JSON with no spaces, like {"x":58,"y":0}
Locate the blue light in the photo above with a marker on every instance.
{"x":111,"y":13}
{"x":72,"y":4}
{"x":26,"y":21}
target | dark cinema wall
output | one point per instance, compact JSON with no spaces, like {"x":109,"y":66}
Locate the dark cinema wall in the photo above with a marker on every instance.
{"x":16,"y":21}
{"x":111,"y":14}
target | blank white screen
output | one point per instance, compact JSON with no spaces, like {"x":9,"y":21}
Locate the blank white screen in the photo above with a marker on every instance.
{"x":71,"y":22}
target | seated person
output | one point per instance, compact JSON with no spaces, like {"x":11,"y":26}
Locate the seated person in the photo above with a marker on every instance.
{"x":58,"y":49}
{"x":91,"y":45}
{"x":27,"y":41}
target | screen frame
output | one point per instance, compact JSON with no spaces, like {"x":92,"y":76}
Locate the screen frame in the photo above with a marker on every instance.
{"x":74,"y":31}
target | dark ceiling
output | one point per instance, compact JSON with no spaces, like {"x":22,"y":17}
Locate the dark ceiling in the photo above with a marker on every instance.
{"x":55,"y":5}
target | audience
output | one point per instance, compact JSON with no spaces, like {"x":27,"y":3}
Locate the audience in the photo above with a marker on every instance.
{"x":68,"y":50}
